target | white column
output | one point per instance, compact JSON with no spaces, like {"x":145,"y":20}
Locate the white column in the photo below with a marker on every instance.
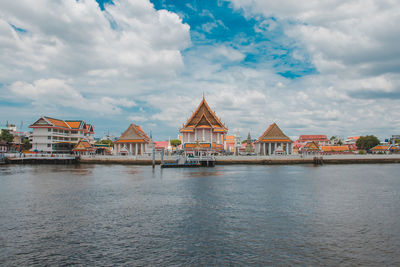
{"x":130,"y":148}
{"x":195,"y":135}
{"x":269,"y":148}
{"x":203,"y":139}
{"x":141,"y":150}
{"x":265,"y":149}
{"x":287,"y":148}
{"x":259,"y":148}
{"x":137,"y":148}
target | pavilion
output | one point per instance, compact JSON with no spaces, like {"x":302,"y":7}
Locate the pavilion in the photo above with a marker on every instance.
{"x":203,"y":131}
{"x":273,"y":142}
{"x":133,"y":141}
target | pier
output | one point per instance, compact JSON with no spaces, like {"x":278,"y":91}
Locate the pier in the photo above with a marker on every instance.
{"x":190,"y":162}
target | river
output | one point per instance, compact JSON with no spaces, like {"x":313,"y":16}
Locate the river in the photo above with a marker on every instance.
{"x":228,"y":215}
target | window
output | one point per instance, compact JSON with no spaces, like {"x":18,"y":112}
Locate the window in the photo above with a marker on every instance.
{"x":55,"y":130}
{"x":48,"y":145}
{"x":49,"y":137}
{"x":48,"y":129}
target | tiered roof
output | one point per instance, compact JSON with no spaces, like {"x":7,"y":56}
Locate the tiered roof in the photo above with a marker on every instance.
{"x":273,"y":134}
{"x":83,"y":145}
{"x":311,"y":146}
{"x":204,"y":117}
{"x":134,"y":134}
{"x":48,"y":122}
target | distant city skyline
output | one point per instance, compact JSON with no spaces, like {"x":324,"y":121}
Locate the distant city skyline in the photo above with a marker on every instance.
{"x":316,"y":68}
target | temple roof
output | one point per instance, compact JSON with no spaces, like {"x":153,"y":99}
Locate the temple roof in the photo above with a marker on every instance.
{"x":273,"y":134}
{"x":133,"y":134}
{"x":64,"y":124}
{"x":335,"y":148}
{"x":83,"y":145}
{"x":311,"y":146}
{"x":203,"y":117}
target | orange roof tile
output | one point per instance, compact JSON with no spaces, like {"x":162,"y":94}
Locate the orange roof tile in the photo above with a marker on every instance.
{"x":74,"y":124}
{"x":134,"y":132}
{"x":273,"y":134}
{"x":204,"y":116}
{"x":334,"y":148}
{"x":310,"y":146}
{"x":56,"y":122}
{"x":380,"y":147}
{"x":130,"y":141}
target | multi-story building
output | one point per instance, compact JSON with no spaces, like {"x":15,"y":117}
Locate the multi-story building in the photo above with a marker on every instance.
{"x":51,"y":135}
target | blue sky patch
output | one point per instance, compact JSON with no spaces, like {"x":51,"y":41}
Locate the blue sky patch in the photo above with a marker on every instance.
{"x":260,"y":39}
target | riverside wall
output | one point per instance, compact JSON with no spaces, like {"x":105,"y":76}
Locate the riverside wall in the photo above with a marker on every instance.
{"x":264,"y":160}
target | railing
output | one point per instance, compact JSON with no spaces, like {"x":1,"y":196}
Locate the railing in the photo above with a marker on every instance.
{"x":38,"y":155}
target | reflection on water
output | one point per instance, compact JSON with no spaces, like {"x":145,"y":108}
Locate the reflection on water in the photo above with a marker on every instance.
{"x":237,"y":215}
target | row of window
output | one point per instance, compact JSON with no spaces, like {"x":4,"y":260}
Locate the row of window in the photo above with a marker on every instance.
{"x":61,"y":138}
{"x":63,"y":131}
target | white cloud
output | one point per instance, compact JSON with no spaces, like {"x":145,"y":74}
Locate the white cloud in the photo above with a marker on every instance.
{"x":74,"y":37}
{"x":46,"y":93}
{"x":350,"y":37}
{"x":89,"y":62}
{"x":137,"y":118}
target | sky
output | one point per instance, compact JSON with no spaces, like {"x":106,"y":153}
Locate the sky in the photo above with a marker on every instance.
{"x":315,"y":67}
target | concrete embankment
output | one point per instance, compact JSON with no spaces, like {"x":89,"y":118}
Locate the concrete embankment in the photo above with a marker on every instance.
{"x":253,"y":160}
{"x":42,"y":160}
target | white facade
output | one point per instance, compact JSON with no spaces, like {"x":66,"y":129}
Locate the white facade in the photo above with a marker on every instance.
{"x":132,"y":149}
{"x":51,"y":138}
{"x":203,"y":135}
{"x":274,"y":148}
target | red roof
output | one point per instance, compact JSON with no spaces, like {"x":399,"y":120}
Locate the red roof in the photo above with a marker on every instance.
{"x":161,"y":144}
{"x":315,"y":137}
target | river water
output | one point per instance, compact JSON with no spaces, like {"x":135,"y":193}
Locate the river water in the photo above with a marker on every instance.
{"x":228,"y":215}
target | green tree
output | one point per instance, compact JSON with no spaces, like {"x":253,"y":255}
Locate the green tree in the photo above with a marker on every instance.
{"x":106,"y":142}
{"x":175,"y":142}
{"x":6,"y":136}
{"x":26,"y":144}
{"x":367,"y":142}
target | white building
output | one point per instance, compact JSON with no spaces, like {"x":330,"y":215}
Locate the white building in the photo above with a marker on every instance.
{"x":51,"y":135}
{"x":133,"y":141}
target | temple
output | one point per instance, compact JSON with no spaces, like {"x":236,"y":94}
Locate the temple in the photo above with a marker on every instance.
{"x":273,"y":142}
{"x":133,"y":141}
{"x":203,"y":131}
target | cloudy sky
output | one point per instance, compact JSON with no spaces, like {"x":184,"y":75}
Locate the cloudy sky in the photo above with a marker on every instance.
{"x":321,"y":67}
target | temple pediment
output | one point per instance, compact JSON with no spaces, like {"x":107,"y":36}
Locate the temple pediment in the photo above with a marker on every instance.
{"x":273,"y":134}
{"x":202,"y":117}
